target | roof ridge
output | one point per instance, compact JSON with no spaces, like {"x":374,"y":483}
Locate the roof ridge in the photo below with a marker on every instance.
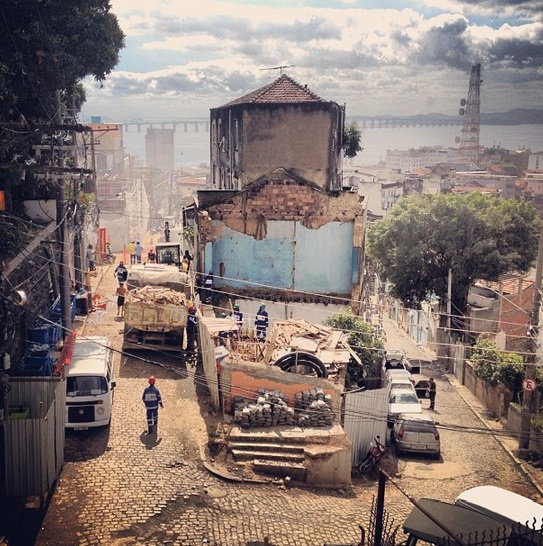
{"x":283,"y":90}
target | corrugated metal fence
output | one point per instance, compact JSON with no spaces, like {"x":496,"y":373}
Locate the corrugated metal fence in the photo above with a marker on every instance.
{"x":365,"y":416}
{"x":34,"y":446}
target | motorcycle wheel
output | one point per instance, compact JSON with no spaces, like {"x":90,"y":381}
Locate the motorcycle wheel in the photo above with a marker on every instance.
{"x":365,"y":465}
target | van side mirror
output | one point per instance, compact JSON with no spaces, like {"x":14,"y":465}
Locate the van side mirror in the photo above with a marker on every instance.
{"x":113,"y":384}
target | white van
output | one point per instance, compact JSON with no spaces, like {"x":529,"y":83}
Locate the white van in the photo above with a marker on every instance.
{"x":89,"y":383}
{"x":505,"y":506}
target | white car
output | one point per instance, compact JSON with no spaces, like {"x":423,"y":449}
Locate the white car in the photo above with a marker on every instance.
{"x":398,"y":374}
{"x":402,"y":400}
{"x":416,"y":433}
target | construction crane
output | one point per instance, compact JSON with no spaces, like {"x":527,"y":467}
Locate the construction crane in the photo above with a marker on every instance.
{"x":468,"y":151}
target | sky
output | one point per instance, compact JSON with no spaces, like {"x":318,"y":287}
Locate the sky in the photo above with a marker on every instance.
{"x":397,"y":57}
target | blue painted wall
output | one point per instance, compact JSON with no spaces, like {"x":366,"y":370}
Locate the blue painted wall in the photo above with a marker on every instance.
{"x":291,"y":256}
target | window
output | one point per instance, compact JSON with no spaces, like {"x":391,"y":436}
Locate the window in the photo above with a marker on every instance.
{"x":86,"y":386}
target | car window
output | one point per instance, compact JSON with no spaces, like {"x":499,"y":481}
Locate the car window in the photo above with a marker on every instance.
{"x":404,"y":398}
{"x":86,"y":386}
{"x":418,"y":426}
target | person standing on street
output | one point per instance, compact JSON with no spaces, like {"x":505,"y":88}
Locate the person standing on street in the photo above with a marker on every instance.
{"x":131,"y":248}
{"x":138,"y":249}
{"x":121,"y":273}
{"x":432,"y":389}
{"x":261,"y":323}
{"x":121,"y":293}
{"x":152,"y":399}
{"x":192,"y":330}
{"x":90,"y":258}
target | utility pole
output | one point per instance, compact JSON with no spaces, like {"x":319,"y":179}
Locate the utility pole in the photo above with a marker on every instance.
{"x":531,"y":357}
{"x":63,"y":238}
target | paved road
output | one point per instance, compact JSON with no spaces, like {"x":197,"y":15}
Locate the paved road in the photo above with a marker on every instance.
{"x":122,"y":487}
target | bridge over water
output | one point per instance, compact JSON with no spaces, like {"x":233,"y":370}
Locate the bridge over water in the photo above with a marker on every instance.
{"x":365,"y":122}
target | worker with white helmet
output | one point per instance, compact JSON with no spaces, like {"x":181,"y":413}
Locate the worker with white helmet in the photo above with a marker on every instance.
{"x":152,"y":399}
{"x":261,"y":323}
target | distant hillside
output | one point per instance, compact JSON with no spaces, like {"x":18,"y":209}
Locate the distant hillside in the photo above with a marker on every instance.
{"x":519,"y":116}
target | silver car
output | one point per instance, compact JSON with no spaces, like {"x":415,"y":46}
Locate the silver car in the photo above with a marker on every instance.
{"x":416,"y":434}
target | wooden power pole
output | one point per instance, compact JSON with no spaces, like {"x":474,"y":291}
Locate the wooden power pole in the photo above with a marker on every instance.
{"x":531,"y":356}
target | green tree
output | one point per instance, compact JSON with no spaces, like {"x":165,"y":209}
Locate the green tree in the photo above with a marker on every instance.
{"x":50,"y":45}
{"x":476,"y":236}
{"x":364,"y":343}
{"x":351,"y":140}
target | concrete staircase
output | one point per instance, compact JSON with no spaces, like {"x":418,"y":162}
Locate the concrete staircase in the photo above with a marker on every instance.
{"x":303,"y":455}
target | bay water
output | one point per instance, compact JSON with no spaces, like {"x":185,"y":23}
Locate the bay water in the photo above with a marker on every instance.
{"x":192,"y":147}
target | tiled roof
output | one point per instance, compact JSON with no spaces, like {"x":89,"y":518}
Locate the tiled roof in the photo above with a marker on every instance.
{"x":284,"y":90}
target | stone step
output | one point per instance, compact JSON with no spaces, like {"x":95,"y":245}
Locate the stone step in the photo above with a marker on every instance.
{"x":265,"y":446}
{"x":294,"y":471}
{"x":246,"y":455}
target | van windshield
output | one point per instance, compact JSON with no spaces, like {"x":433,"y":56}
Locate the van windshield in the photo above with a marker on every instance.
{"x":86,"y":385}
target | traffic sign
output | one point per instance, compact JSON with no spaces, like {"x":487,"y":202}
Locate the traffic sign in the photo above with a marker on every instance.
{"x":529,"y":385}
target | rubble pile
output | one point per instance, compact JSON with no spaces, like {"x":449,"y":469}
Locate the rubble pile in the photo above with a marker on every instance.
{"x":270,"y":409}
{"x":314,"y":408}
{"x":157,"y":294}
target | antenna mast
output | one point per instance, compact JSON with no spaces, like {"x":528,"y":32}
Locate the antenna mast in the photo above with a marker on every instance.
{"x":468,"y":150}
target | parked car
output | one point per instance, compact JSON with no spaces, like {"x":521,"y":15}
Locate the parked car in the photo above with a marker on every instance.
{"x":397,"y":374}
{"x":402,"y":400}
{"x":395,"y":359}
{"x":416,"y":434}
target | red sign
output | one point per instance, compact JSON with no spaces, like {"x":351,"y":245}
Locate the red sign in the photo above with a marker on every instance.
{"x":529,"y":385}
{"x":102,"y":240}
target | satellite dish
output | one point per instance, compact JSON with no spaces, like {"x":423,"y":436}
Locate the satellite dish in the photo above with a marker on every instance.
{"x":457,"y":139}
{"x":461,"y":112}
{"x":462,"y":102}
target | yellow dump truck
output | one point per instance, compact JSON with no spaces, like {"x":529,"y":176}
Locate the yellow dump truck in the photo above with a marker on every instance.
{"x":155,"y":317}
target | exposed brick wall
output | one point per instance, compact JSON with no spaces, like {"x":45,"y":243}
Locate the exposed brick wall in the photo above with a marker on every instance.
{"x":285,"y":199}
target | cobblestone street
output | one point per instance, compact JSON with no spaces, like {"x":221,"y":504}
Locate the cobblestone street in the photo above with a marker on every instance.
{"x":123,"y":487}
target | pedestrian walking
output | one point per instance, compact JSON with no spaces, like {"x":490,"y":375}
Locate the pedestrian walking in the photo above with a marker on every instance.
{"x":192,"y":329}
{"x":121,"y":273}
{"x":90,"y":258}
{"x":188,"y":257}
{"x":261,"y":323}
{"x":152,"y":399}
{"x":138,"y":249}
{"x":208,"y":287}
{"x":432,"y":389}
{"x":121,"y":293}
{"x":131,"y":248}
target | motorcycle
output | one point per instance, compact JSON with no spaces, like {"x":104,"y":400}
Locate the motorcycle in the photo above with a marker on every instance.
{"x":375,"y":453}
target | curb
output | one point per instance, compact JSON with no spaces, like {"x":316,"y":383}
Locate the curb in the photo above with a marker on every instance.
{"x":522,"y":466}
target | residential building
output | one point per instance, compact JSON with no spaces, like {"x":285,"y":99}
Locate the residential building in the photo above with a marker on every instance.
{"x":409,"y":161}
{"x":282,"y":125}
{"x":278,"y":219}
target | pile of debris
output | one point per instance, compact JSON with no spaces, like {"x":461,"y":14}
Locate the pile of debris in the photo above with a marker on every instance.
{"x":328,"y":345}
{"x":157,"y":294}
{"x":270,"y":409}
{"x":312,"y":409}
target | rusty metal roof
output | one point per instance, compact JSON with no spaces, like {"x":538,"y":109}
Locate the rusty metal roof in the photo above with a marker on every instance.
{"x":284,"y":90}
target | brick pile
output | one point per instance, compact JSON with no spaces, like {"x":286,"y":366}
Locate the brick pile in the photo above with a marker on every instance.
{"x":314,"y":408}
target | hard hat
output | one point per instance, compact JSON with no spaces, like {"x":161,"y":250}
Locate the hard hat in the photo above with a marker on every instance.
{"x":192,"y":310}
{"x":152,"y":380}
{"x":223,"y":315}
{"x":236,"y":307}
{"x":262,"y":305}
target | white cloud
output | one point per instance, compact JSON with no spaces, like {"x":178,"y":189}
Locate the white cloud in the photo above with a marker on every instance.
{"x":400,"y":61}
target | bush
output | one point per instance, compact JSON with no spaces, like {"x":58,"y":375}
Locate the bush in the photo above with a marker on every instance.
{"x":497,"y":366}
